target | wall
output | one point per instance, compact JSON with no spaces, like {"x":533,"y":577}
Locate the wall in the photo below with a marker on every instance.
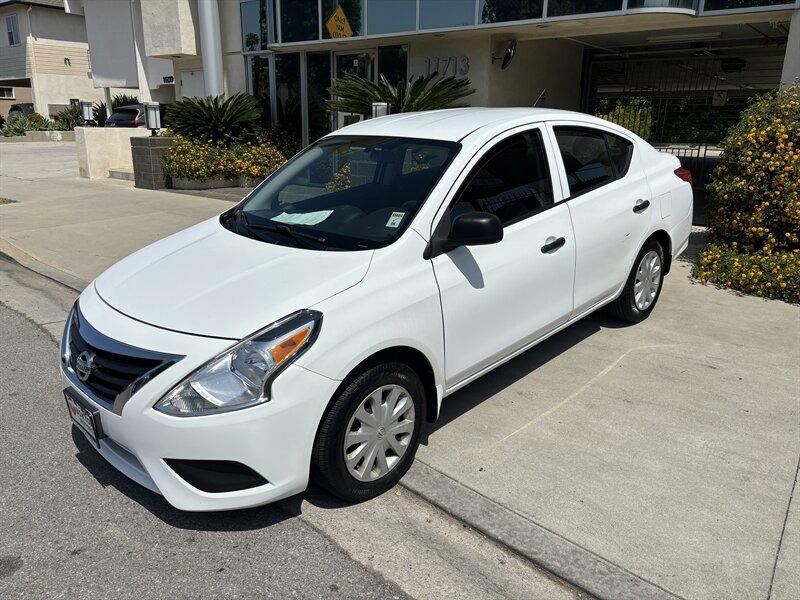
{"x":110,"y":33}
{"x":55,"y":24}
{"x":477,"y":49}
{"x":103,"y":148}
{"x":21,"y":94}
{"x":552,"y":65}
{"x":170,"y":27}
{"x":13,"y":59}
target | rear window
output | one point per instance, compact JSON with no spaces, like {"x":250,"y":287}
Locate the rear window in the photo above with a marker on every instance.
{"x":586,"y":158}
{"x":124,"y":115}
{"x":621,"y":151}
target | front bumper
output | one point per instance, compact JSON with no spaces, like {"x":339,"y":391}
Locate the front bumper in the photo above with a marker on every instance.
{"x":274,"y":439}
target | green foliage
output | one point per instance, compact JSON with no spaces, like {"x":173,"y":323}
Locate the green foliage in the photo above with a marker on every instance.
{"x":100,"y":113}
{"x":635,"y":114}
{"x":69,"y":118}
{"x":755,"y":201}
{"x":33,"y":122}
{"x":192,"y":159}
{"x":218,"y":120}
{"x":355,"y":94}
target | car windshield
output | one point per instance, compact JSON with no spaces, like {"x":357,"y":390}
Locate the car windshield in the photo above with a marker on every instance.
{"x":344,"y":193}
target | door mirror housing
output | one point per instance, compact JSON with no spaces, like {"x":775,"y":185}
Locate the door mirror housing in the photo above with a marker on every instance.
{"x":475,"y":229}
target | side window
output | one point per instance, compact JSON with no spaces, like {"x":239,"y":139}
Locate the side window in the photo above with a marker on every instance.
{"x":621,"y":151}
{"x":512,"y":181}
{"x":585,"y":157}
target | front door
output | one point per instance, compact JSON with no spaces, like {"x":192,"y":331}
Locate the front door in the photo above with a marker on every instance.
{"x":500,"y":297}
{"x":361,"y":64}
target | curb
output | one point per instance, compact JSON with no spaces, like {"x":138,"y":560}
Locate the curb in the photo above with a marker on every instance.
{"x":561,"y":557}
{"x":14,"y":254}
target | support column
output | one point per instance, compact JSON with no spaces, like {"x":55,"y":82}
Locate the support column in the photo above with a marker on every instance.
{"x":108,"y":100}
{"x":138,"y":48}
{"x":791,"y":60}
{"x":210,"y":45}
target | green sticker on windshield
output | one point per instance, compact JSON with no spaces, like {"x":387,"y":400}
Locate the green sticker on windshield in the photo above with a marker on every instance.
{"x":395,"y":219}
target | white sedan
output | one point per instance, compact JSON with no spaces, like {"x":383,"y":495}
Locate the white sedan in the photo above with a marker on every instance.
{"x":309,"y":331}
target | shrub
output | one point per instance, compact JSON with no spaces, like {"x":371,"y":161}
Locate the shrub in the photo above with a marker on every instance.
{"x":69,"y":118}
{"x":21,"y":124}
{"x":190,"y":159}
{"x":755,"y":202}
{"x":218,"y":120}
{"x":355,"y":94}
{"x":635,"y":114}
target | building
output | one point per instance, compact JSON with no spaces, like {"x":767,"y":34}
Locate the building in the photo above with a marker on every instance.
{"x":44,"y":58}
{"x":676,"y":71}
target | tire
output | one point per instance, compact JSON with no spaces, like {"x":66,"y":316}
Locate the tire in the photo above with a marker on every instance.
{"x":328,"y":466}
{"x":626,"y":307}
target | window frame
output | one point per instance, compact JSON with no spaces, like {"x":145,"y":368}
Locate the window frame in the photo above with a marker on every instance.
{"x":11,"y":95}
{"x":580,"y":126}
{"x":441,"y":221}
{"x":12,"y":29}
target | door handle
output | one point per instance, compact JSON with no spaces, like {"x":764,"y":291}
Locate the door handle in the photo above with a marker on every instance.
{"x":641,"y":205}
{"x":552,"y":244}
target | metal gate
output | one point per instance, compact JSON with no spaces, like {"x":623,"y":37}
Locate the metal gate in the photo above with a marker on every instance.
{"x":682,"y":104}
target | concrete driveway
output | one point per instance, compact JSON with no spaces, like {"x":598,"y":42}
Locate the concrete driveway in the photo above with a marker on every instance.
{"x":654,"y":460}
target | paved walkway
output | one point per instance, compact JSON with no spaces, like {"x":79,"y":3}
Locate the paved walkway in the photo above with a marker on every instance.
{"x":655,"y":460}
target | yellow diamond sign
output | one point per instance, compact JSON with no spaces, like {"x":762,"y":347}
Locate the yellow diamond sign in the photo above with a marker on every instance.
{"x":338,"y":25}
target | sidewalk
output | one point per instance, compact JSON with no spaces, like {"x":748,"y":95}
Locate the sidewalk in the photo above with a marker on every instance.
{"x":652,"y":461}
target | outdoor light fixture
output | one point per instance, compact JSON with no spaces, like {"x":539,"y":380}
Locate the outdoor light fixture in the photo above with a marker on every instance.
{"x":380,"y":109}
{"x":86,"y":110}
{"x":152,"y":117}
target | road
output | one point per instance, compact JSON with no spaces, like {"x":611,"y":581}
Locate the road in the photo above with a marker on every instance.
{"x":73,"y":527}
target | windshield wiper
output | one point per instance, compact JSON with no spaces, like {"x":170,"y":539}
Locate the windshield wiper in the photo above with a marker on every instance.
{"x":300,"y":236}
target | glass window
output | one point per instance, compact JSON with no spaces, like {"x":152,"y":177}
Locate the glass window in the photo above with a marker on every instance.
{"x":391,"y":16}
{"x":734,"y":4}
{"x":258,"y":67}
{"x":6,"y":92}
{"x":621,"y":151}
{"x":393,"y":63}
{"x":497,"y":11}
{"x":287,"y":88}
{"x":319,"y":80}
{"x":352,"y":22}
{"x":257,"y":24}
{"x":585,"y":157}
{"x":513,"y":181}
{"x":299,"y":20}
{"x":344,"y":192}
{"x":557,"y":8}
{"x":435,"y":14}
{"x":12,"y":27}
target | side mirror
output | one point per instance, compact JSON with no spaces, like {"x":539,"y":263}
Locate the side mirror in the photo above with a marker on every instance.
{"x":475,"y":229}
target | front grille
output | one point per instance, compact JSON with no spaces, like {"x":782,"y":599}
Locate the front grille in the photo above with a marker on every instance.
{"x":111,"y":372}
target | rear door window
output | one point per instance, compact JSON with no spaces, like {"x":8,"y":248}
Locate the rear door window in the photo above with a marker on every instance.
{"x":621,"y":151}
{"x":586,"y":158}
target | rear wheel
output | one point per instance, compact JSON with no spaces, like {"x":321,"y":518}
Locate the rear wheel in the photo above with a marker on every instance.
{"x":643,"y":287}
{"x":367,"y":439}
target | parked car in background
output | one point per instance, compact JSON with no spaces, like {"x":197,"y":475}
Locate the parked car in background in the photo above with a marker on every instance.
{"x":132,"y":115}
{"x":309,"y":331}
{"x":20,"y":109}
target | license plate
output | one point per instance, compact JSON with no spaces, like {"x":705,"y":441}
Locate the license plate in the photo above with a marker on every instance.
{"x":84,"y":416}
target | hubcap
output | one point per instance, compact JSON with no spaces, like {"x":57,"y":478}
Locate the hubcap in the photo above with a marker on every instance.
{"x":379,"y":433}
{"x":648,"y":280}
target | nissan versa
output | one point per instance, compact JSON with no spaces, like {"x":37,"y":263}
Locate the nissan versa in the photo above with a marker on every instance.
{"x":310,"y":330}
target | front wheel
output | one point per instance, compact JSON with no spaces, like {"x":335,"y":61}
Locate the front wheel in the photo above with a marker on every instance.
{"x":643,"y":287}
{"x":369,"y":435}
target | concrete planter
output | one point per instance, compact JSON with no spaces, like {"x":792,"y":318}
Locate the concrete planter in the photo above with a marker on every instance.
{"x":101,"y":149}
{"x":148,"y":161}
{"x":179,"y":183}
{"x":41,"y":136}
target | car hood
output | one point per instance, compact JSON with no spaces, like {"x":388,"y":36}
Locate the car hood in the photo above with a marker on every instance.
{"x":209,"y":281}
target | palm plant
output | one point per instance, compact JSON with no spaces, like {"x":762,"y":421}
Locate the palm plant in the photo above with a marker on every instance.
{"x":217,"y":119}
{"x":355,"y":94}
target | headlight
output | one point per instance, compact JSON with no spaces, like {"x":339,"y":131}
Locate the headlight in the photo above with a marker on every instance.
{"x":240,"y":377}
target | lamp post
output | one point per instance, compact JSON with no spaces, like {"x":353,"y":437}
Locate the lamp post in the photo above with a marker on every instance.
{"x":86,"y":111}
{"x":152,"y":117}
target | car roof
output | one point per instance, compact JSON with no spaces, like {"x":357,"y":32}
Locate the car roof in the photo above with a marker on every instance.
{"x":454,"y":124}
{"x":130,"y":107}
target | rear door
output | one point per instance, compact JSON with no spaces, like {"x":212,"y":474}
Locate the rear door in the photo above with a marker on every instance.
{"x":610,"y":205}
{"x":499,"y":297}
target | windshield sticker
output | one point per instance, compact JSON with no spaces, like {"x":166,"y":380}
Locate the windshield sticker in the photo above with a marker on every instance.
{"x":311,"y":218}
{"x":395,"y":219}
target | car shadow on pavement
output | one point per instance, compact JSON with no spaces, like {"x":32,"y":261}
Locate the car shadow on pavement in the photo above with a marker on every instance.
{"x":519,"y":367}
{"x":231,"y":520}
